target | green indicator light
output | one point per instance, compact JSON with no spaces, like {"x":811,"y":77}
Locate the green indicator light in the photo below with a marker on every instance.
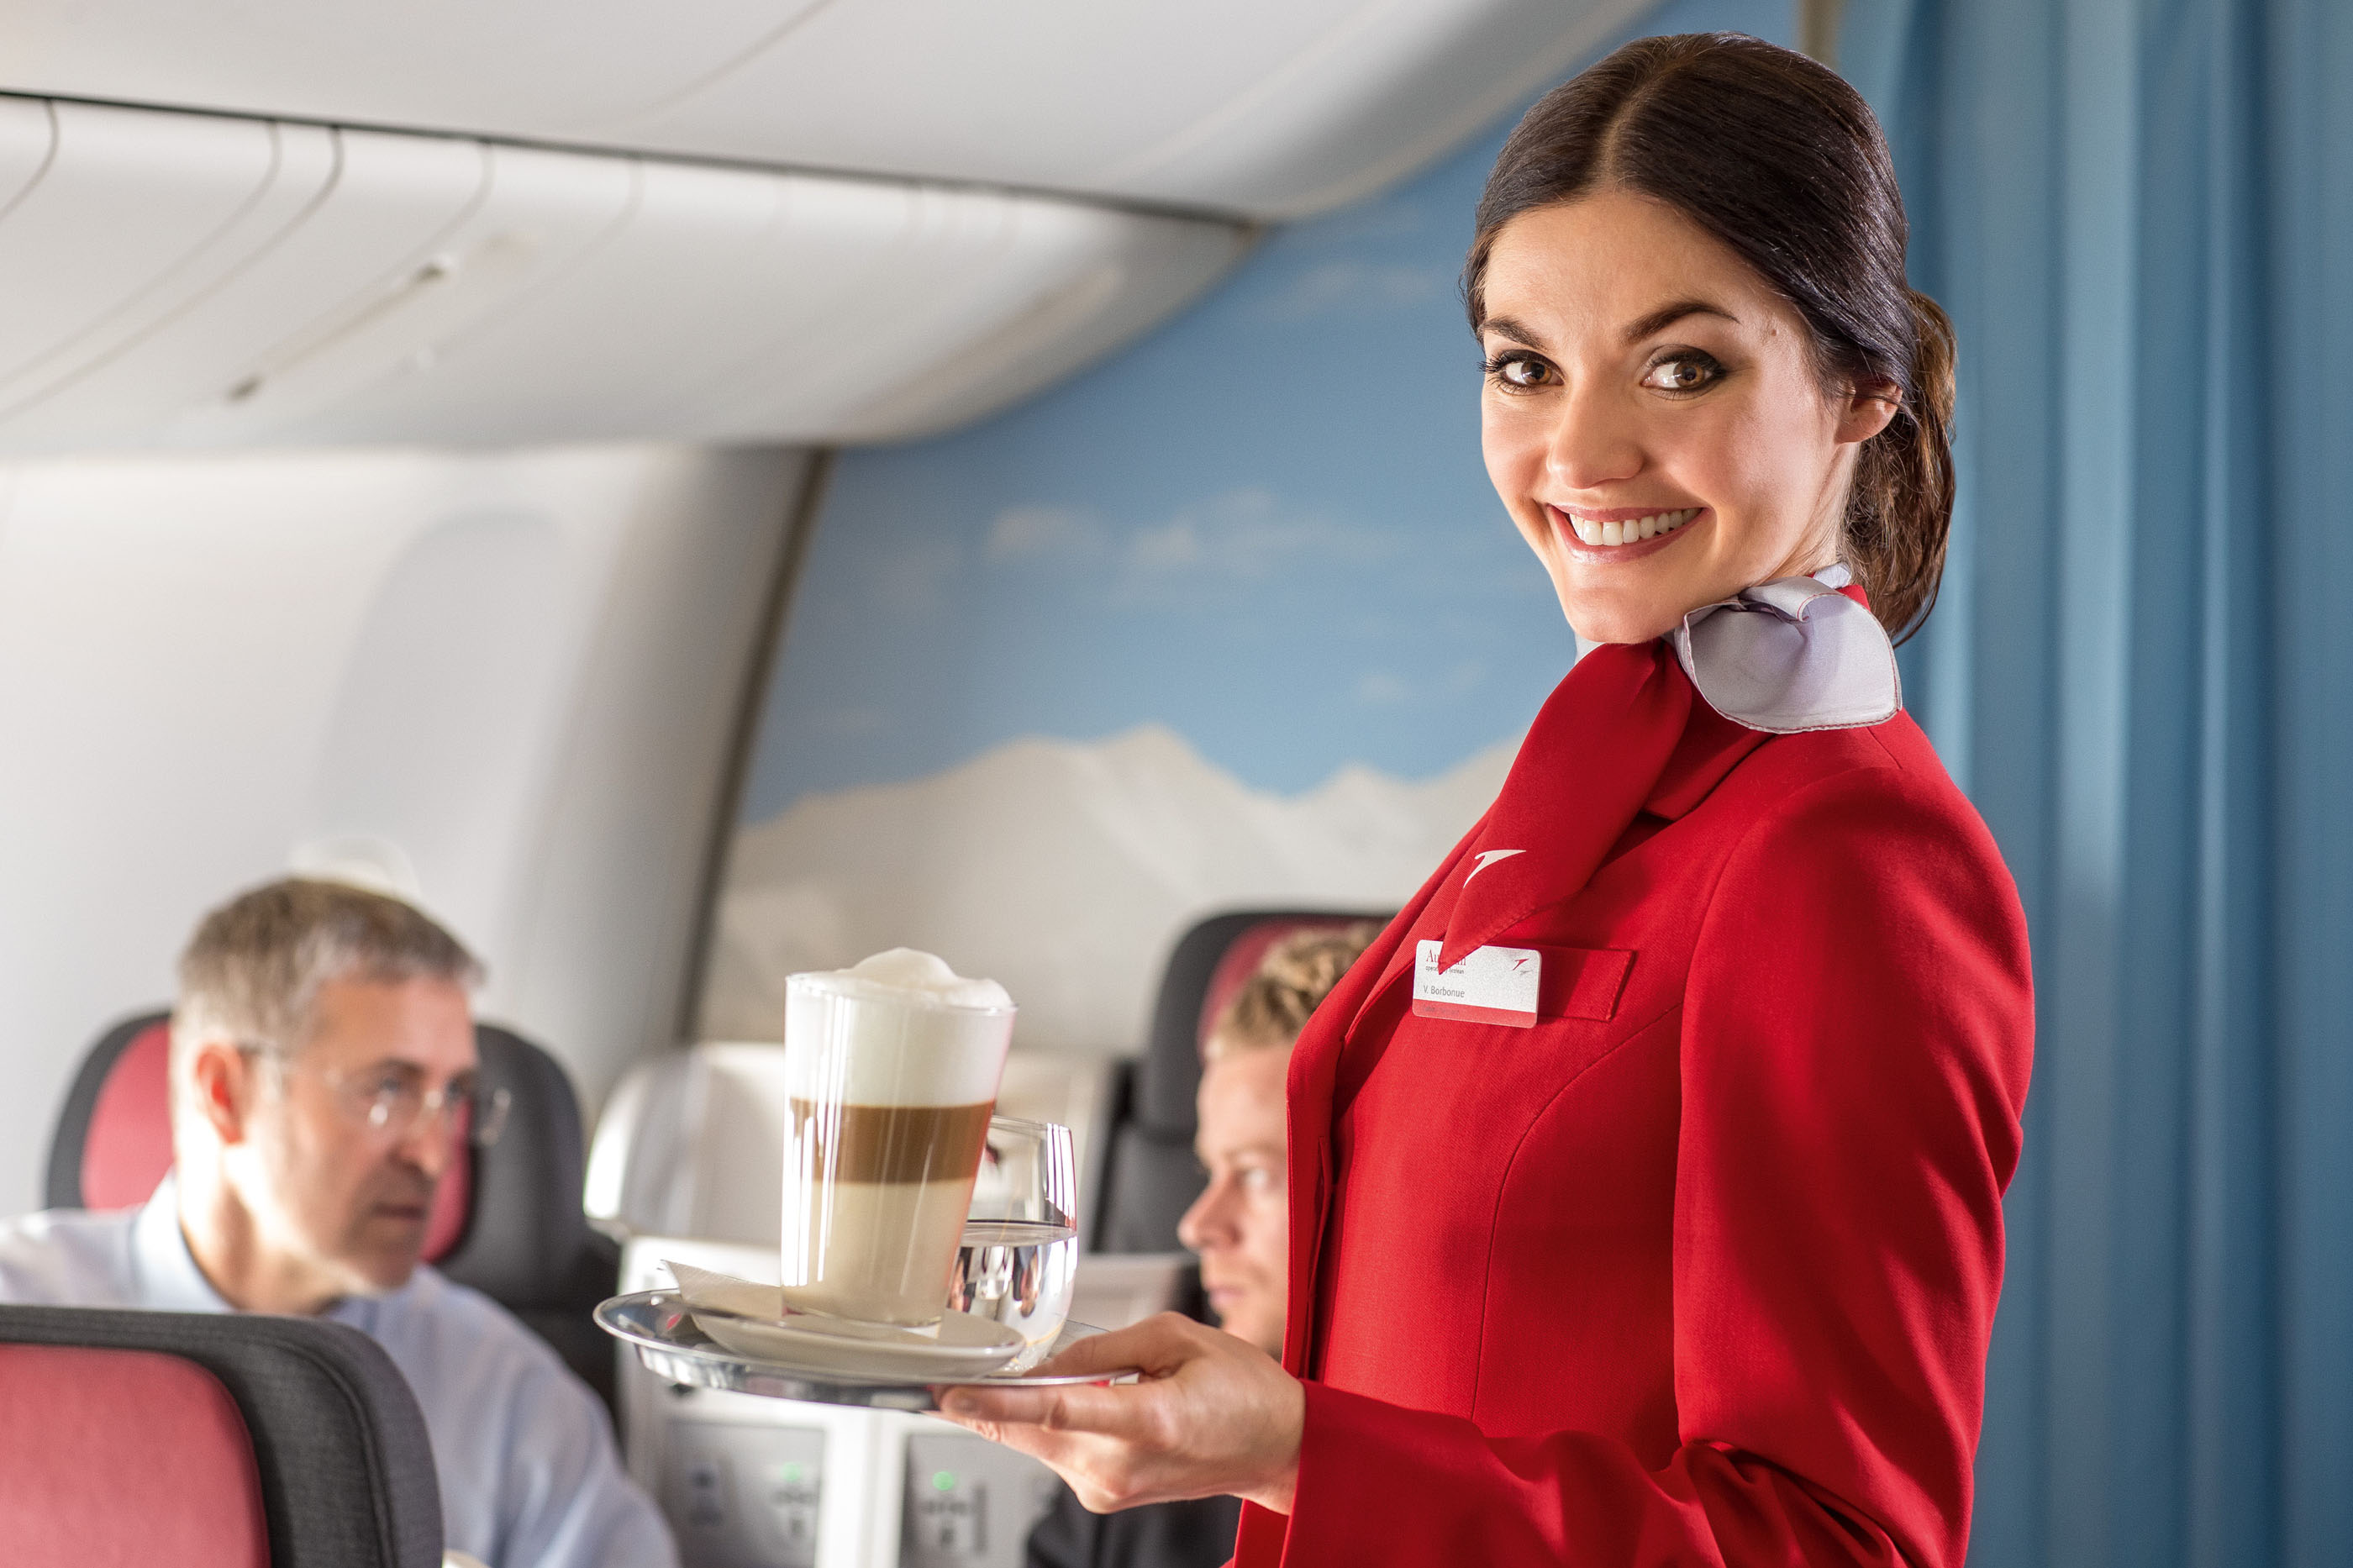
{"x":791,"y":1473}
{"x":943,"y":1480}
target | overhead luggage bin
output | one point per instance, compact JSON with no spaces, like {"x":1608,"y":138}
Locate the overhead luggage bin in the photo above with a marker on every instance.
{"x":355,"y":286}
{"x":1274,"y":111}
{"x":1236,"y":106}
{"x":124,"y":217}
{"x":28,"y":141}
{"x":531,"y":217}
{"x":986,"y":299}
{"x":182,"y":368}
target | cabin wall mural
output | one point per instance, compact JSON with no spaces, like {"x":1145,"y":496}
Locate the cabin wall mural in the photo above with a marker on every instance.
{"x":1234,"y":618}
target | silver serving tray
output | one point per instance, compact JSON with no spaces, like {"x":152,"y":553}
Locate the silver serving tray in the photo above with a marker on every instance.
{"x":654,"y":1323}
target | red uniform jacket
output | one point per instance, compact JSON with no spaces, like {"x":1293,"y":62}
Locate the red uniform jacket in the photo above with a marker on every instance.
{"x":1700,"y":1268}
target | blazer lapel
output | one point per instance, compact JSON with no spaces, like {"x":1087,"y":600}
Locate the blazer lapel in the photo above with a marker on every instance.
{"x":1623,"y":733}
{"x":1712,"y":746}
{"x":1591,"y":759}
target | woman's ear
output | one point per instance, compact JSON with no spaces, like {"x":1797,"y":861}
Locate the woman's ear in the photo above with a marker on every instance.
{"x":1867,"y":409}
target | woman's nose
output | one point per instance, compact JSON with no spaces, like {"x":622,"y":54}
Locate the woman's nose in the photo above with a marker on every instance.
{"x":1592,"y":444}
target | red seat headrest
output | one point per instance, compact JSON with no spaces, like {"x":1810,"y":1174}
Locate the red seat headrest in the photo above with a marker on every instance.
{"x":123,"y":1458}
{"x":127,"y":1148}
{"x":1245,"y":953}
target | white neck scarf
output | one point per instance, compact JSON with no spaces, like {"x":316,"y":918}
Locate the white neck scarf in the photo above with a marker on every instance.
{"x":1792,"y":654}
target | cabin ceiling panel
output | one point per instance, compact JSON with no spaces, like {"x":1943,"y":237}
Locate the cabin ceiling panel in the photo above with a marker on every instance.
{"x":224,"y":282}
{"x":1267,"y":111}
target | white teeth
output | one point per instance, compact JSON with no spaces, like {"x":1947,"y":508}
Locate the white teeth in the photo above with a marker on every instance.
{"x":1633,"y":530}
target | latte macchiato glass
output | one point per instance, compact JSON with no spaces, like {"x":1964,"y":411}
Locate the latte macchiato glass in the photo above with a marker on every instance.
{"x":891,"y":1068}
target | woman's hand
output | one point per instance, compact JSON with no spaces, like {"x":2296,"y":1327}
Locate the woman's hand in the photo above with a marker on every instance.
{"x":1214,"y":1416}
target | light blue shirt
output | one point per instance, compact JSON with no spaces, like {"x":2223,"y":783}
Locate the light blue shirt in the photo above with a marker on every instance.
{"x":525,"y":1453}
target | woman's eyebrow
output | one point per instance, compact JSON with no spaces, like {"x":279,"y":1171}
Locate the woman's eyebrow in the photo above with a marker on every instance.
{"x":1505,"y":327}
{"x":1666,"y":316}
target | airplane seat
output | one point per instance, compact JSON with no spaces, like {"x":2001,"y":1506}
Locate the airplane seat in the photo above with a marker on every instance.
{"x":506,"y":1219}
{"x":210,"y":1441}
{"x":1151,"y":1176}
{"x":526,"y":1243}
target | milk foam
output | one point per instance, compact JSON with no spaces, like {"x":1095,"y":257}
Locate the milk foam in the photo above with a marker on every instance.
{"x":898,"y":1028}
{"x":902,"y":969}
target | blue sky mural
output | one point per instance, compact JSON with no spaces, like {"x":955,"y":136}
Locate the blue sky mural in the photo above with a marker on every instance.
{"x":1265,"y":526}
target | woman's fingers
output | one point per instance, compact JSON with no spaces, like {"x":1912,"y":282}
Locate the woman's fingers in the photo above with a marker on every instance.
{"x":1087,"y":1407}
{"x":1107,"y":1443}
{"x":999,"y":1407}
{"x":1213,"y":1415}
{"x":1153,"y":1347}
{"x":1156,"y":1347}
{"x":1149,"y":1346}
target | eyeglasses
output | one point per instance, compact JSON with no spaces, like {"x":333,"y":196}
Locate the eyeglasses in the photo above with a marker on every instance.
{"x":390,"y":1101}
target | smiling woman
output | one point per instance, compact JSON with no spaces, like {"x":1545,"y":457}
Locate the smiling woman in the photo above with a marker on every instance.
{"x":1656,"y":359}
{"x":1646,"y":1174}
{"x":1658,"y":456}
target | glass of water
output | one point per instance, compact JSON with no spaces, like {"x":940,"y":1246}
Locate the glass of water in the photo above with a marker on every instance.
{"x":1019,"y":1251}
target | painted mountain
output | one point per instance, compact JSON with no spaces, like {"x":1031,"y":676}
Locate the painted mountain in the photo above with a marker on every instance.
{"x":1066,"y":871}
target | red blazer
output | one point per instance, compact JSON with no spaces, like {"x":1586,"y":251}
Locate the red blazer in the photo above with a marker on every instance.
{"x":1700,"y":1268}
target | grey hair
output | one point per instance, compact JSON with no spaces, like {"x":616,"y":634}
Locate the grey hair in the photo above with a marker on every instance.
{"x":252,"y":971}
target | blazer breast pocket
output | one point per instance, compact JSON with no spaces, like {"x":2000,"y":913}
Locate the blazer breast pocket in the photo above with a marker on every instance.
{"x":1581,"y":982}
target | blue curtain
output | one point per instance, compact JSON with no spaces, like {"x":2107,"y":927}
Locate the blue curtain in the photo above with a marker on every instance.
{"x":2140,"y":216}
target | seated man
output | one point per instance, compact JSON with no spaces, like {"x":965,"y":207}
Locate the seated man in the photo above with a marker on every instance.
{"x":1241,"y":1226}
{"x":323,"y":1068}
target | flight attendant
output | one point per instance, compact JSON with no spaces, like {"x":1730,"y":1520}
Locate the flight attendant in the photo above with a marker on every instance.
{"x":1646,"y":1173}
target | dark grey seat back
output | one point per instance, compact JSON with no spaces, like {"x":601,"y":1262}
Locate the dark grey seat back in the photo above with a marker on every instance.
{"x":1151,"y":1177}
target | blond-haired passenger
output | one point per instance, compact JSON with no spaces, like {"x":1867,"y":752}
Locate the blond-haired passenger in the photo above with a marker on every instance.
{"x":1239,"y":1227}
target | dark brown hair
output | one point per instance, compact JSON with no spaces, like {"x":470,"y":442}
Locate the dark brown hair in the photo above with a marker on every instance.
{"x":1778,"y":158}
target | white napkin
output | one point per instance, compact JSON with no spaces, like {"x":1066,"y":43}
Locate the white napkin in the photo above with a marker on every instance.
{"x":710,"y":1290}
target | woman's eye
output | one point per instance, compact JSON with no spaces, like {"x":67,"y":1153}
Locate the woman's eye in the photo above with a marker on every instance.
{"x":1519,"y":372}
{"x":1683,"y":372}
{"x":1257,"y":1179}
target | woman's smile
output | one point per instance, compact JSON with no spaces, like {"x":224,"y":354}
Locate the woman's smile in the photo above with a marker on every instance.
{"x":1611,"y":535}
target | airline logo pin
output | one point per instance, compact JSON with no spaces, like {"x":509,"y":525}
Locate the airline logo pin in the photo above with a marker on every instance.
{"x":1491,"y":986}
{"x":1487,"y":857}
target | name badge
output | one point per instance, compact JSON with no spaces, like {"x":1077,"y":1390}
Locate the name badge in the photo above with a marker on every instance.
{"x":1491,"y":986}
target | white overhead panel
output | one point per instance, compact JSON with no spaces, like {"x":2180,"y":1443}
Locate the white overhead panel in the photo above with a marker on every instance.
{"x":1266,"y":109}
{"x":154,"y":210}
{"x":214,"y":281}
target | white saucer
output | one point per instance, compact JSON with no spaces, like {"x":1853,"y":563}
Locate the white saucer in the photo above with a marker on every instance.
{"x":744,"y":1318}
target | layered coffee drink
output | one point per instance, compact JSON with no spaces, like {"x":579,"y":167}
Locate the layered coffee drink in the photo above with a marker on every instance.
{"x":892,"y":1068}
